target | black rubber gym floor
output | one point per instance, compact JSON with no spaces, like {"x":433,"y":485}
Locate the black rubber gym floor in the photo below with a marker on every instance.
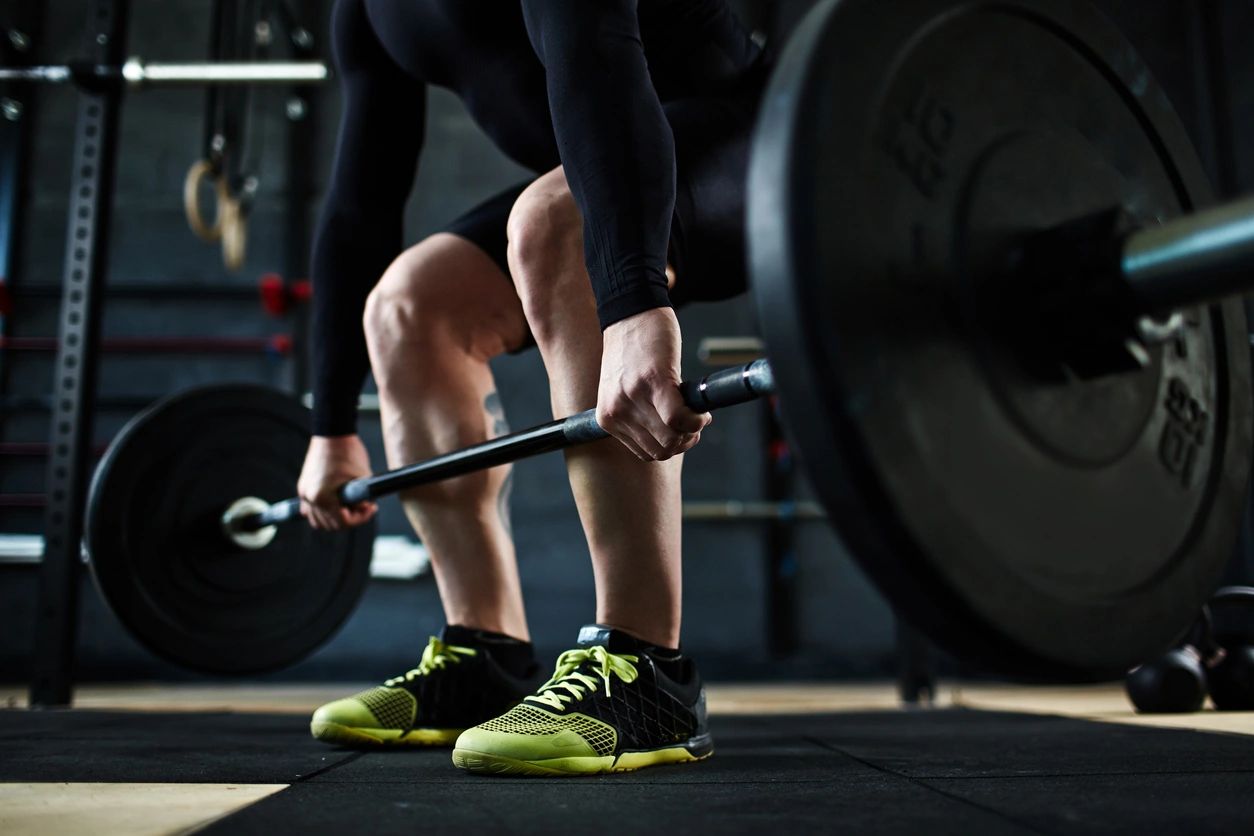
{"x":950,"y":771}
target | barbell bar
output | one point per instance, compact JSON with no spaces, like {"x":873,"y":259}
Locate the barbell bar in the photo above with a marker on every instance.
{"x":242,"y":521}
{"x":137,"y":73}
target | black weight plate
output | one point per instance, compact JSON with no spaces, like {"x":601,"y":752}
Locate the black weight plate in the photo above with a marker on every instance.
{"x":1041,"y":529}
{"x":166,"y":570}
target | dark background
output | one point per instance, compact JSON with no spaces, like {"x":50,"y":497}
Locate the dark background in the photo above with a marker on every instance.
{"x":1198,"y":49}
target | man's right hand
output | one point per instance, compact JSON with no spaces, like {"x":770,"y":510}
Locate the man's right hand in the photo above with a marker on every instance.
{"x":329,"y":463}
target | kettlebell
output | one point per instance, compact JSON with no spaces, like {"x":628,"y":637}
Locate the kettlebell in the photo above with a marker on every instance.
{"x":1175,"y":683}
{"x":1230,"y":671}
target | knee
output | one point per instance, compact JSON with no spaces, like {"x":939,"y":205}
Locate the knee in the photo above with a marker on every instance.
{"x":544,"y":227}
{"x":545,"y":233}
{"x":409,"y":304}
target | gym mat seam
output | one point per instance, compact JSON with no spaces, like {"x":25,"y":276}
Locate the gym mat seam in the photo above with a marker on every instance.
{"x":922,"y":784}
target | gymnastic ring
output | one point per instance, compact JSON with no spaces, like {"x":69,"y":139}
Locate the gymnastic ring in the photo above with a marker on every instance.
{"x":234,"y":229}
{"x":196,"y":175}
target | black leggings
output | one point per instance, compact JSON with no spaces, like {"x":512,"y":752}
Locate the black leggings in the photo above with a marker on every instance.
{"x":707,"y":242}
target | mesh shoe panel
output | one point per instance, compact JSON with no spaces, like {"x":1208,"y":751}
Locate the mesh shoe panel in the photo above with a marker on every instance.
{"x":393,"y":707}
{"x":525,"y":719}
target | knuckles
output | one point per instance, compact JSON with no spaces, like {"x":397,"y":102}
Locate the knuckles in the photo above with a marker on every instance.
{"x":607,"y":416}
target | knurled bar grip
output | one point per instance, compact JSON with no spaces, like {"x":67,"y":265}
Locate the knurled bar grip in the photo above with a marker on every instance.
{"x":720,"y":389}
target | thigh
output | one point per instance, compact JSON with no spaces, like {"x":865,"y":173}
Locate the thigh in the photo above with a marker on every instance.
{"x":481,"y":232}
{"x":485,"y":225}
{"x":712,"y":139}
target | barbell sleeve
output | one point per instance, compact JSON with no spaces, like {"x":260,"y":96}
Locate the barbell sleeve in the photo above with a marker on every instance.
{"x":720,"y":389}
{"x":1196,"y":259}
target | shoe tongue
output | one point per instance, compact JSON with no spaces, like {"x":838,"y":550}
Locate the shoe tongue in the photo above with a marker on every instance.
{"x":615,"y":641}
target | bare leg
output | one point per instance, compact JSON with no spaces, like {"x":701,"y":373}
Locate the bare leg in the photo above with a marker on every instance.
{"x":441,"y":311}
{"x":630,"y":509}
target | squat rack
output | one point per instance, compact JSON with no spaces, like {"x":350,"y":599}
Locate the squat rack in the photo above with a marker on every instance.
{"x":102,"y":77}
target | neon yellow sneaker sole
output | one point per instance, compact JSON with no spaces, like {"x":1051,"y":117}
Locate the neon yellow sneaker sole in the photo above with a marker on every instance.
{"x":358,"y":736}
{"x":484,"y":763}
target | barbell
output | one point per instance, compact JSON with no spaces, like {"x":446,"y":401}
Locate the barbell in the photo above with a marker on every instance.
{"x":135,"y":72}
{"x":999,"y":318}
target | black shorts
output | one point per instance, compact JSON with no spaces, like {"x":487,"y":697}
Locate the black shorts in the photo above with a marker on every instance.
{"x":707,"y":246}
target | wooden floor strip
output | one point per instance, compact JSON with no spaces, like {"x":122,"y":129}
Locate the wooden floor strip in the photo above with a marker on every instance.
{"x":133,"y":809}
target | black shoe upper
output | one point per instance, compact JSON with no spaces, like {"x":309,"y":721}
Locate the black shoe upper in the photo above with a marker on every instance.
{"x":466,"y":689}
{"x":652,"y":711}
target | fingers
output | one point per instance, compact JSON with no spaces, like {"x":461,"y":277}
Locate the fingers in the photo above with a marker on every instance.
{"x":678,"y":419}
{"x":317,"y":515}
{"x":351,"y":517}
{"x":665,"y":440}
{"x":652,"y":420}
{"x":620,"y":421}
{"x":329,"y":464}
{"x":626,"y":435}
{"x":676,"y":414}
{"x":326,"y":513}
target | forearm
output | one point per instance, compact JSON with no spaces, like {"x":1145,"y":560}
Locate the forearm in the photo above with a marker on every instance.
{"x":348,"y":260}
{"x":615,"y":144}
{"x":360,"y":230}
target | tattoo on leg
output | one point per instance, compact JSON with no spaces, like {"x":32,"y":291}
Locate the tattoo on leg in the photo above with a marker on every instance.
{"x":496,"y":411}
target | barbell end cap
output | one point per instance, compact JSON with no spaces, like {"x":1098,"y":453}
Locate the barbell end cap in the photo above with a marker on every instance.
{"x":133,"y":71}
{"x":239,"y":510}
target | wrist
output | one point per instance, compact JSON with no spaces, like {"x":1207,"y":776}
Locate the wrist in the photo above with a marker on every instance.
{"x":653,"y":296}
{"x":335,"y":442}
{"x":645,"y":319}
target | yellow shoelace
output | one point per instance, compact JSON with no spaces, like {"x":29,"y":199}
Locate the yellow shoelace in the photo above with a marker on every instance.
{"x":568,"y":683}
{"x":436,"y":655}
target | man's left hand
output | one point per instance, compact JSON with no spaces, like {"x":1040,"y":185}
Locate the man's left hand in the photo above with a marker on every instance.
{"x":639,"y":401}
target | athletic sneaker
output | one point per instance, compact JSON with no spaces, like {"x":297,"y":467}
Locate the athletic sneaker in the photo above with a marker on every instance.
{"x":465,"y":677}
{"x":614,"y":704}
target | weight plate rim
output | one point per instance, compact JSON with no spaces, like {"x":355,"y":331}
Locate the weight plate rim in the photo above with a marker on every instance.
{"x":95,"y":530}
{"x":777,"y":243}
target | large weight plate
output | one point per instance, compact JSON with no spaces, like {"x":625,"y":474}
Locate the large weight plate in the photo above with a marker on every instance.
{"x":159,"y":557}
{"x":1043,"y":529}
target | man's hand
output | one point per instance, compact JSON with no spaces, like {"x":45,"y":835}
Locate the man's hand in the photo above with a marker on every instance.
{"x":330,"y":462}
{"x":639,"y":401}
